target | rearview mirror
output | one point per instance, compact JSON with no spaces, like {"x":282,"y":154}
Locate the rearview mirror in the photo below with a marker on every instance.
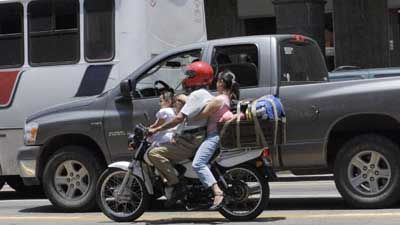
{"x":126,"y":88}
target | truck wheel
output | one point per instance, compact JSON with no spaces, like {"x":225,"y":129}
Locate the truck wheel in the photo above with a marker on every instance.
{"x":70,"y":177}
{"x":16,"y":183}
{"x":367,"y":172}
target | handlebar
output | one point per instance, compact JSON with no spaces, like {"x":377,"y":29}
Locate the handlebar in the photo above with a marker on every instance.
{"x":143,"y":128}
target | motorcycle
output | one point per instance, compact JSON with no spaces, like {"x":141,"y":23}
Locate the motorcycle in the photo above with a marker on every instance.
{"x":125,"y":189}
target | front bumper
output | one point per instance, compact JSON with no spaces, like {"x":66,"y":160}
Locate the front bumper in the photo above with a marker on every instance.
{"x":28,"y":158}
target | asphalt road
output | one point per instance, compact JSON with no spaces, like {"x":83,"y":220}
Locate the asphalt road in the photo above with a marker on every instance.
{"x":305,"y":203}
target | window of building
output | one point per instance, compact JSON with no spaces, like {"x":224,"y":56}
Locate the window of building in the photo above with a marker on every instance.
{"x":170,"y":72}
{"x":242,"y":60}
{"x":11,"y":35}
{"x":301,"y":62}
{"x":53,"y":32}
{"x":99,"y":30}
{"x":259,"y":26}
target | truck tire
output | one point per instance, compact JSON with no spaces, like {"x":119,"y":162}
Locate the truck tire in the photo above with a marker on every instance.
{"x":70,"y":177}
{"x":367,"y":172}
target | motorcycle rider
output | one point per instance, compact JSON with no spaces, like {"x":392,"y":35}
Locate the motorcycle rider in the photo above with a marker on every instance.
{"x":190,"y":133}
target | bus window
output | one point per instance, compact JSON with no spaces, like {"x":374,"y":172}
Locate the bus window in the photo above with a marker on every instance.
{"x":99,"y":30}
{"x":53,"y":32}
{"x":11,"y":35}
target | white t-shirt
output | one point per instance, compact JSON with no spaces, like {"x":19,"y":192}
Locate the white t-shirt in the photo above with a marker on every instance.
{"x":196,"y":102}
{"x":166,"y":114}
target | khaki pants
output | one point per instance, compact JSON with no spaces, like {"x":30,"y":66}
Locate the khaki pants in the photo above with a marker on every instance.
{"x":162,"y":157}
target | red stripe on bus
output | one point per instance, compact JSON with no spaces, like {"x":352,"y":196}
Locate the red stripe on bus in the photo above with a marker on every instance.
{"x":7,"y":83}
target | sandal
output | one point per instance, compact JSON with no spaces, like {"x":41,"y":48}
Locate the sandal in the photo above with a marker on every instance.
{"x":218,"y":204}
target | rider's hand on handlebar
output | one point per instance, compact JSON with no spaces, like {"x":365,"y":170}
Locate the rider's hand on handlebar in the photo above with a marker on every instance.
{"x":152,"y":131}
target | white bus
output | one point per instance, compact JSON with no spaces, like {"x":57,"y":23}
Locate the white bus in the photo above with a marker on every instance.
{"x":53,"y":51}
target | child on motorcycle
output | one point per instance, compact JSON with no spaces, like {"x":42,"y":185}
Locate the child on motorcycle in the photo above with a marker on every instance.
{"x":165,"y":114}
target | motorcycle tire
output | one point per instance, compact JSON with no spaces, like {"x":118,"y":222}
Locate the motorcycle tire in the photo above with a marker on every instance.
{"x":238,"y":190}
{"x":121,"y":210}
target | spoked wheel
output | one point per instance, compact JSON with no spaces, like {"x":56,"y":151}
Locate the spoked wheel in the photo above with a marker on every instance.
{"x":247,"y":194}
{"x":128,"y":206}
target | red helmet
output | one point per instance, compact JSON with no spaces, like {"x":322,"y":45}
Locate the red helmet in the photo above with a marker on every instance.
{"x":199,"y":74}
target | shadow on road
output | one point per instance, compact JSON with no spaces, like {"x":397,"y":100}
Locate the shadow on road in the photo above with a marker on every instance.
{"x":307,"y":203}
{"x":206,"y":221}
{"x":274,"y":205}
{"x":43,"y":209}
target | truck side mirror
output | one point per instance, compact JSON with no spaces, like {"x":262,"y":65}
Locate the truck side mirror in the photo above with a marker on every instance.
{"x":126,"y":88}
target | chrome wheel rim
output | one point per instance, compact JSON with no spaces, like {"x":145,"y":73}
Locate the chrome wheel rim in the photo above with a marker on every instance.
{"x":244,"y":193}
{"x":128,"y":203}
{"x":72,"y":180}
{"x":369,"y":172}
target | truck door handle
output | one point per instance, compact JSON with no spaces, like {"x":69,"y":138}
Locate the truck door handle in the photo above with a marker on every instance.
{"x":3,"y":135}
{"x":315,"y":112}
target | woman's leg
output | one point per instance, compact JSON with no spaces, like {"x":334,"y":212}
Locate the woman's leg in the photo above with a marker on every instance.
{"x":201,"y":159}
{"x":203,"y":156}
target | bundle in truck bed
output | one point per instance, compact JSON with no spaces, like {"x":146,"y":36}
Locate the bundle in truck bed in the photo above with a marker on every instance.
{"x":258,"y":124}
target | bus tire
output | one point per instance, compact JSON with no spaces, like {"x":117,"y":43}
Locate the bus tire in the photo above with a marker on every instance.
{"x":16,"y":183}
{"x":2,"y":182}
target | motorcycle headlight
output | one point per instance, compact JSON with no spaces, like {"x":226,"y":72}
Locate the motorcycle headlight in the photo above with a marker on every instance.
{"x":30,"y":133}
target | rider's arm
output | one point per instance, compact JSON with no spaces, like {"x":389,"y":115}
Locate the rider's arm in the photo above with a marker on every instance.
{"x":154,"y":124}
{"x":172,"y":123}
{"x":211,"y":107}
{"x":157,"y":123}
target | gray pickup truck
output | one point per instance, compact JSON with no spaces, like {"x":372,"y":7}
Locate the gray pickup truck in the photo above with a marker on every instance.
{"x":350,"y":128}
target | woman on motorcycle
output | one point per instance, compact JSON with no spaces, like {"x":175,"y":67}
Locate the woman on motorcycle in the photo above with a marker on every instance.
{"x":216,"y":109}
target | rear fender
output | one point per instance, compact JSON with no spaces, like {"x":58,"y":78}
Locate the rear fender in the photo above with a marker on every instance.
{"x":233,"y":157}
{"x":140,"y":170}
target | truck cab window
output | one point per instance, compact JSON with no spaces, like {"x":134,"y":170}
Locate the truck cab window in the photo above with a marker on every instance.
{"x":166,"y":74}
{"x":242,"y":60}
{"x":99,"y":30}
{"x":301,"y":63}
{"x":53,"y":32}
{"x":11,"y":35}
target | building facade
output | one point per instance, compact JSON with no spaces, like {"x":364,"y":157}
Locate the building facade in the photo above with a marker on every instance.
{"x":362,"y":33}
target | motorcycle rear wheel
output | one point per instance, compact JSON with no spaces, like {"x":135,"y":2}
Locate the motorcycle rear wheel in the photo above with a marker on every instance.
{"x":247,"y":194}
{"x":127,"y":207}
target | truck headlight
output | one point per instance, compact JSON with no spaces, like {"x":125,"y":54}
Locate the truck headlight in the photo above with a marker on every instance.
{"x":30,"y":133}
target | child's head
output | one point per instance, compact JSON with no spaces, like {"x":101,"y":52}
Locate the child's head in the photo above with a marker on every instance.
{"x":179,"y":102}
{"x":166,"y":99}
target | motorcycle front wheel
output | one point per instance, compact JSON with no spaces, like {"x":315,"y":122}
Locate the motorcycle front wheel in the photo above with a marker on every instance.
{"x":247,"y":194}
{"x":129,"y":205}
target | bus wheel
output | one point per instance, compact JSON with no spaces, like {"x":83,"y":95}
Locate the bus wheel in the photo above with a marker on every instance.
{"x":2,"y":182}
{"x":70,"y":177}
{"x":16,"y":183}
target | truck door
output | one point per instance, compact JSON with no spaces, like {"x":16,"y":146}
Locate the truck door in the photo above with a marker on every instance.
{"x":164,"y":75}
{"x":243,"y":59}
{"x":301,"y":75}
